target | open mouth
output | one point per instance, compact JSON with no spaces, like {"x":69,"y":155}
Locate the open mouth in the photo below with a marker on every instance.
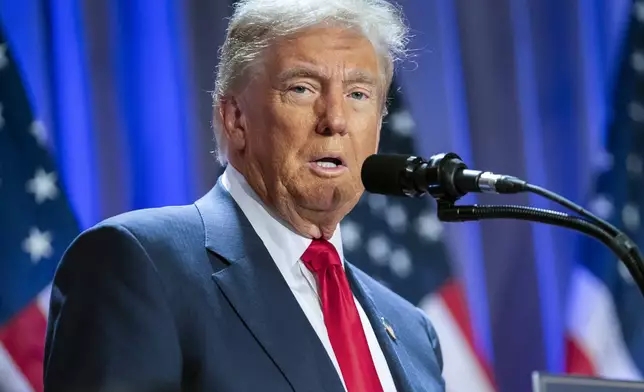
{"x":329,"y":162}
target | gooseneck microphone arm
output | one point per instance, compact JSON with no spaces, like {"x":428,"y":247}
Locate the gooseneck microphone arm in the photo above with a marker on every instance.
{"x":618,"y":242}
{"x":446,"y":178}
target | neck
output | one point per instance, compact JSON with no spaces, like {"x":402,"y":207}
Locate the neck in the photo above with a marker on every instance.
{"x":310,"y":224}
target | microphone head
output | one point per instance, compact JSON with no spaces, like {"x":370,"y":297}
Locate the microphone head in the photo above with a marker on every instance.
{"x":407,"y":175}
{"x":384,"y":173}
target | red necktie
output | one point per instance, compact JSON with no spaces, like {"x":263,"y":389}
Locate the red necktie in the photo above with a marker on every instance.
{"x":342,"y":319}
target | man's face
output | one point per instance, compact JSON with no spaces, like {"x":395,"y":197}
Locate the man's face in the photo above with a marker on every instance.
{"x":311,"y":118}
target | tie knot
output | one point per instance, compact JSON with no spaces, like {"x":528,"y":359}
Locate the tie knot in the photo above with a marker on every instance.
{"x":320,"y":255}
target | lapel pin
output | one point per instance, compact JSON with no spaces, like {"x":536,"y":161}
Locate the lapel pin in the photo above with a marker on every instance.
{"x":389,"y":329}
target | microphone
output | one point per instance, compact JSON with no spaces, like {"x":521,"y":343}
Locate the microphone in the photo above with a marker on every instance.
{"x":444,"y":176}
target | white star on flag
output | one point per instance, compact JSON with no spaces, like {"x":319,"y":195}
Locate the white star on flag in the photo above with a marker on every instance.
{"x":377,"y":202}
{"x":38,"y":245}
{"x":634,"y":164}
{"x":624,"y":272}
{"x":400,"y":263}
{"x":396,"y":218}
{"x":636,"y":112}
{"x":402,"y":123}
{"x":602,"y":161}
{"x":3,"y":56}
{"x":638,"y":8}
{"x":429,"y":227}
{"x":43,"y":186}
{"x":637,"y":61}
{"x":37,"y":130}
{"x":350,"y":234}
{"x":601,"y":207}
{"x":378,"y":249}
{"x":631,"y":217}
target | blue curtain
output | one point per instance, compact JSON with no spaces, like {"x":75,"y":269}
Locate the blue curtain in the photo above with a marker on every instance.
{"x":514,"y":86}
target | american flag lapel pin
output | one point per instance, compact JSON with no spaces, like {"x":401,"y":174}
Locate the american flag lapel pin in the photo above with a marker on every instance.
{"x":388,"y":328}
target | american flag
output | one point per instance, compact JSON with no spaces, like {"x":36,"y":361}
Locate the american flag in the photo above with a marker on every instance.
{"x":606,"y":322}
{"x":36,"y":225}
{"x":399,"y":241}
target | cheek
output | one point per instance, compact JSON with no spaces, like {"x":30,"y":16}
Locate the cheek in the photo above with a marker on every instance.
{"x":292,"y":130}
{"x":282,"y":141}
{"x":366,"y":142}
{"x":269,"y":134}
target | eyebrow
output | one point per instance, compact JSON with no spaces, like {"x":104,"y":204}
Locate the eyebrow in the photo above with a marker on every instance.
{"x":360,"y":76}
{"x":354,"y":76}
{"x":299,"y":72}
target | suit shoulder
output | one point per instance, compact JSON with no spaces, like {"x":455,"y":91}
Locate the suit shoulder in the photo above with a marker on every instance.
{"x":163,"y":233}
{"x":150,"y":218}
{"x":150,"y":226}
{"x":155,"y":224}
{"x":168,"y":239}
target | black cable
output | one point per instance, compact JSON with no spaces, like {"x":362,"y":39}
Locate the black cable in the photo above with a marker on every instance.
{"x":574,"y":207}
{"x":625,"y":250}
{"x":620,"y":238}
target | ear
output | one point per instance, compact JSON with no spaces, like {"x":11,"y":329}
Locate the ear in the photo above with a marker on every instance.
{"x":233,"y":123}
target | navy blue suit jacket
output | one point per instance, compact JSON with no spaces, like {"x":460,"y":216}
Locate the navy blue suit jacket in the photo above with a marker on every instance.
{"x":188,"y":299}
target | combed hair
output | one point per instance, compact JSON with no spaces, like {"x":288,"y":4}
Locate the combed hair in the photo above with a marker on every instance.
{"x":255,"y":24}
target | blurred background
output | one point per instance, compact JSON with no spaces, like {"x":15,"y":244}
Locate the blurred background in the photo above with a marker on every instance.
{"x":105,"y":107}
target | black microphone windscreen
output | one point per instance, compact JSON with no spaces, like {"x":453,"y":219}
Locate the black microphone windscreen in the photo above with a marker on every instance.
{"x":382,"y":173}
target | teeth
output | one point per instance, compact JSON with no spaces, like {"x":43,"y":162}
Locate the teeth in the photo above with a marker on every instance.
{"x":326,"y":164}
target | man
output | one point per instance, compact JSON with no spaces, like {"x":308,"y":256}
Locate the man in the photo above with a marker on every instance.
{"x":247,"y":289}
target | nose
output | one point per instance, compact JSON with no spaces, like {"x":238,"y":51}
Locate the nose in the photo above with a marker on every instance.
{"x":333,"y":119}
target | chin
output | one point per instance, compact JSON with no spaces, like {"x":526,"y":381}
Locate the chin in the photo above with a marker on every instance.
{"x":322,"y":202}
{"x":337,"y":197}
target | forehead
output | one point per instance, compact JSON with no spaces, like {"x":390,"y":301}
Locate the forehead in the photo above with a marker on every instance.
{"x":328,"y":51}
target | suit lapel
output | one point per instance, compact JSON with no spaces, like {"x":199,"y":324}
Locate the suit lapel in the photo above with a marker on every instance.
{"x":395,"y":353}
{"x":255,"y":288}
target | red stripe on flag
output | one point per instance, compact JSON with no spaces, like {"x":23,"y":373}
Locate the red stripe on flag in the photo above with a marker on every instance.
{"x":24,"y":339}
{"x":452,"y":295}
{"x":577,"y":361}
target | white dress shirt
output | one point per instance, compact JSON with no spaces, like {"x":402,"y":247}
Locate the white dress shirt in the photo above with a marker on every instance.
{"x":285,"y":247}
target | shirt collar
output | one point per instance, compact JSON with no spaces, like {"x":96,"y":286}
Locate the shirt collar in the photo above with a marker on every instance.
{"x":283,"y":244}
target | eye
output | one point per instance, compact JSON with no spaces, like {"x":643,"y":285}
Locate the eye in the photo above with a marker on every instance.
{"x":358,"y":95}
{"x":299,"y":89}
